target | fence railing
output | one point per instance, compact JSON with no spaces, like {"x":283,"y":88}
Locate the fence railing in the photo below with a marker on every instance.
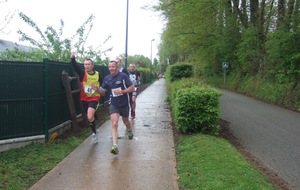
{"x":33,"y":99}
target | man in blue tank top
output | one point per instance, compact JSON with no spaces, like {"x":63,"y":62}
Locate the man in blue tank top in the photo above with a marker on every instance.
{"x":119,"y":86}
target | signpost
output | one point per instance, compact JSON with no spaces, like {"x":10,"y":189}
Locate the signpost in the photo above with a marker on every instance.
{"x":225,"y":65}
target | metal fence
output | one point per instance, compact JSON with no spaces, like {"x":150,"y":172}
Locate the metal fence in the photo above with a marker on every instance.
{"x":32,"y":97}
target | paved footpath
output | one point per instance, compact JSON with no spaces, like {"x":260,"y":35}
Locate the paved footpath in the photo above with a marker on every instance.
{"x":147,"y":162}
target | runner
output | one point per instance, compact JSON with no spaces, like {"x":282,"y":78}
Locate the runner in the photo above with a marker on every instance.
{"x":88,"y":96}
{"x":135,"y":78}
{"x":119,"y":85}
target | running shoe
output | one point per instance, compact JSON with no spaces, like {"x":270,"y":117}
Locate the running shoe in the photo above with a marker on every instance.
{"x":114,"y":150}
{"x":130,"y":135}
{"x":95,"y":137}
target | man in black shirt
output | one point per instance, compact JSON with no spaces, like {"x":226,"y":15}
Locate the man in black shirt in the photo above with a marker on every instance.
{"x":135,"y":78}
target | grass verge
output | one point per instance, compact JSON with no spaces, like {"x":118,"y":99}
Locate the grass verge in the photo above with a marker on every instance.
{"x":20,"y":168}
{"x":210,"y":162}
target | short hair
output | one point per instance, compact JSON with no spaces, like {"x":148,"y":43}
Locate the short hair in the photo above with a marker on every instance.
{"x":119,"y":59}
{"x":114,"y":61}
{"x":88,"y":59}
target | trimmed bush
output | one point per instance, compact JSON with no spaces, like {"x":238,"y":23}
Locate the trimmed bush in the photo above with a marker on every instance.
{"x":179,"y":71}
{"x":195,"y":105}
{"x":181,"y":84}
{"x":197,"y":109}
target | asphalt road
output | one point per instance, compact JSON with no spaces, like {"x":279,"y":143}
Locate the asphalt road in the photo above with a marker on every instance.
{"x":269,"y":132}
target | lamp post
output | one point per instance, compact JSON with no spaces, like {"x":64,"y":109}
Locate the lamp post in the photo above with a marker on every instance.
{"x":126,"y":41}
{"x":151,"y":59}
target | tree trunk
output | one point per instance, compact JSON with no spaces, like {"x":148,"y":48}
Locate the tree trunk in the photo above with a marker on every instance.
{"x":296,"y":16}
{"x":269,"y":16}
{"x":243,"y":14}
{"x":253,"y":12}
{"x":281,"y":13}
{"x":261,"y":22}
{"x":289,"y":16}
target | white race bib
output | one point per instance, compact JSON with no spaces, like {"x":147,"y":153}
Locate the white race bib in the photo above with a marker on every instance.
{"x":88,"y":90}
{"x":114,"y":94}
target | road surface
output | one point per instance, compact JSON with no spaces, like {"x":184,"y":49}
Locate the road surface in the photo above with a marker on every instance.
{"x":269,"y":132}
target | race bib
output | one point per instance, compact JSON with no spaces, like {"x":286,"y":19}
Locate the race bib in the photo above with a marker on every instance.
{"x":114,"y":94}
{"x":88,"y":90}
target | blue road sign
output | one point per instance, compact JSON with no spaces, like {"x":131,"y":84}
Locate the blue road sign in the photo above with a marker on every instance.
{"x":225,"y":65}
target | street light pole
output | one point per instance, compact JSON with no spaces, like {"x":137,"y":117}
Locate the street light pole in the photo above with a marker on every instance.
{"x":151,"y":59}
{"x":126,"y":41}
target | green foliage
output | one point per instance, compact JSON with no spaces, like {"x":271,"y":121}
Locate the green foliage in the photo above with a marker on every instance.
{"x":173,"y":87}
{"x":263,"y":87}
{"x":180,"y":84}
{"x":18,"y":55}
{"x":195,"y":105}
{"x":186,"y":29}
{"x":179,"y":71}
{"x":197,"y":109}
{"x":139,"y":61}
{"x":283,"y":55}
{"x":23,"y":167}
{"x":249,"y":53}
{"x":145,"y":74}
{"x":257,"y":39}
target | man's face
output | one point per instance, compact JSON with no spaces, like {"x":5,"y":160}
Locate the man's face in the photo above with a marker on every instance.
{"x":88,"y":66}
{"x":112,"y":67}
{"x":131,"y":68}
{"x":119,"y":62}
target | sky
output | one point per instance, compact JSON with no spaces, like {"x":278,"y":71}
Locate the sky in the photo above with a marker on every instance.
{"x":110,"y":19}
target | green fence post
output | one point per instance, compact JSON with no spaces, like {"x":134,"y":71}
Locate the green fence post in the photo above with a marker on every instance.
{"x":46,"y":72}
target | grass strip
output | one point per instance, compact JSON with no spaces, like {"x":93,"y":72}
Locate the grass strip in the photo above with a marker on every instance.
{"x":21,"y":168}
{"x":210,"y":162}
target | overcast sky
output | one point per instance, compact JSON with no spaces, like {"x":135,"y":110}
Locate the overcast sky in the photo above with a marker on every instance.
{"x":144,"y":25}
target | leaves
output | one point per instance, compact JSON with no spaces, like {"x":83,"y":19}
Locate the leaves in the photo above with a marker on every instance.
{"x":53,"y":46}
{"x":254,"y":36}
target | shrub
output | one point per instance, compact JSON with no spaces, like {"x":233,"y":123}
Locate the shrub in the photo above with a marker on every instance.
{"x":197,"y":110}
{"x":180,"y":84}
{"x":145,"y":75}
{"x":179,"y":71}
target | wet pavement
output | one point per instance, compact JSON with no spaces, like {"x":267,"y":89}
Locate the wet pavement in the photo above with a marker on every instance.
{"x":147,"y":162}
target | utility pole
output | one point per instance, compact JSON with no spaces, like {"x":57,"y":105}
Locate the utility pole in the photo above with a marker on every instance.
{"x":151,"y":59}
{"x":126,"y":41}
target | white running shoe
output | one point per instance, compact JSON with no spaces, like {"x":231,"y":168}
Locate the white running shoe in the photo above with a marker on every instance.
{"x":95,"y":137}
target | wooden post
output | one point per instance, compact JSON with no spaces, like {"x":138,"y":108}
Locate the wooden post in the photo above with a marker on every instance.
{"x":66,"y":83}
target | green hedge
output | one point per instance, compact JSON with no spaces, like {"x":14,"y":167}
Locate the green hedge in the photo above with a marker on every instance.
{"x":197,"y":109}
{"x":145,"y":74}
{"x":179,"y":71}
{"x":195,"y":105}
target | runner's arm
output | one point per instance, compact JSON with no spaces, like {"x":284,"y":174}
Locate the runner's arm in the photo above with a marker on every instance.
{"x":128,"y":90}
{"x":100,"y":90}
{"x":77,"y":69}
